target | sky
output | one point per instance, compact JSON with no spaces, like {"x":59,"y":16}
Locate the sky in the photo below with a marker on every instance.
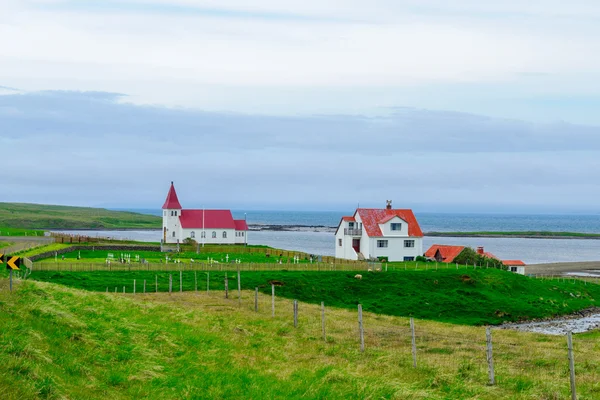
{"x":462,"y":106}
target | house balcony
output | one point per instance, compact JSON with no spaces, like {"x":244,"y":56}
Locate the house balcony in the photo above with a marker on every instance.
{"x":353,"y":232}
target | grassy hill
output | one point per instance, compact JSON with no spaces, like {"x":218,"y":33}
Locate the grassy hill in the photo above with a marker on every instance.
{"x":472,"y":297}
{"x":58,"y":342}
{"x":38,"y":216}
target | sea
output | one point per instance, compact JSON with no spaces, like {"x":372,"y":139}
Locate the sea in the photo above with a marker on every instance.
{"x":315,"y":241}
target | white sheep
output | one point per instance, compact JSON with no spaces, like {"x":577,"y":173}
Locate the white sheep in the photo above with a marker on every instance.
{"x":358,"y":276}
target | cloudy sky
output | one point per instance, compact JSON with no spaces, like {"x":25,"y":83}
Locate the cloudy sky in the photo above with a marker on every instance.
{"x":469,"y":105}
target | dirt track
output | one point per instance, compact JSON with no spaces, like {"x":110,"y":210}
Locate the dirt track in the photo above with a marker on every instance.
{"x":560,"y":268}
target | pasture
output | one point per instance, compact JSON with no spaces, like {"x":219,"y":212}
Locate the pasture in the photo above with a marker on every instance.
{"x":60,"y":342}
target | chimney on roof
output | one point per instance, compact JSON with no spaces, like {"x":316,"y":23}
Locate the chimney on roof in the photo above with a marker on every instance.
{"x":388,"y":205}
{"x":480,"y":250}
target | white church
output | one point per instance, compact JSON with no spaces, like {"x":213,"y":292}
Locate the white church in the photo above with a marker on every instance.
{"x":204,"y":226}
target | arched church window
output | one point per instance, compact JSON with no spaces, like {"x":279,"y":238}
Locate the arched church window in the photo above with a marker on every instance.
{"x":224,"y":235}
{"x":193,"y":234}
{"x":203,"y":234}
{"x":214,"y":235}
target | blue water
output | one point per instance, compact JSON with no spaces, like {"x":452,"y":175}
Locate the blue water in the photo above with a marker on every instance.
{"x":531,"y":251}
{"x":432,"y":222}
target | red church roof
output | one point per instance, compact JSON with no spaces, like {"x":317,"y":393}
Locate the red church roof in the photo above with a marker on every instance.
{"x":172,"y":201}
{"x":448,"y":253}
{"x":240,"y":225}
{"x":207,"y":219}
{"x":372,"y":217}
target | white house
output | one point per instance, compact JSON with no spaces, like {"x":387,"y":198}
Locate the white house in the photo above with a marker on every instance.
{"x":204,"y":226}
{"x":372,"y":233}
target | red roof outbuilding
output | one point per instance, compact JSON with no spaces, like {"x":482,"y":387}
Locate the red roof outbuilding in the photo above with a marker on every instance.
{"x":447,"y":253}
{"x":513,"y":263}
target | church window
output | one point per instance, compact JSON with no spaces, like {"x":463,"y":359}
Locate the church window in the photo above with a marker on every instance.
{"x":214,"y":235}
{"x":224,"y":235}
{"x":203,"y":234}
{"x":173,"y":234}
{"x":193,"y":234}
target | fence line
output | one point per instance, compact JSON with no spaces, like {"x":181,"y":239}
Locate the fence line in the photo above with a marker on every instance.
{"x":196,"y":266}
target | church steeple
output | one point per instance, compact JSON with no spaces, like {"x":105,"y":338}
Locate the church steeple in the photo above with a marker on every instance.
{"x":172,"y":202}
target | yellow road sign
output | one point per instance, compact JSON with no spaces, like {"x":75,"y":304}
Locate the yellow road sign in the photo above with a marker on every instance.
{"x":1,"y":258}
{"x":13,"y":263}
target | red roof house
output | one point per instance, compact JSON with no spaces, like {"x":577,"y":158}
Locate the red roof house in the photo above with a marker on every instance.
{"x":379,"y":233}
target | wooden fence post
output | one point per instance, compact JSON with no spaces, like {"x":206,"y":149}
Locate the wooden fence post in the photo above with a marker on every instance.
{"x":134,"y":286}
{"x":123,"y":289}
{"x":207,"y":282}
{"x":295,"y":313}
{"x":196,"y":281}
{"x":256,"y":299}
{"x":361,"y":329}
{"x":323,"y":320}
{"x":170,"y":283}
{"x":226,"y":286}
{"x":180,"y":281}
{"x":156,"y":282}
{"x":414,"y":342}
{"x":272,"y":300}
{"x":239,"y":284}
{"x":571,"y":365}
{"x":490,"y":356}
{"x":144,"y":286}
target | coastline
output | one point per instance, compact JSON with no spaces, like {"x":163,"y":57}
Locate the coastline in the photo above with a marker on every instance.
{"x":332,"y":229}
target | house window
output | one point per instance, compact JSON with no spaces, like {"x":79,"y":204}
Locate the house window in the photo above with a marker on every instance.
{"x":409,"y":243}
{"x":396,"y":226}
{"x":242,"y":233}
{"x":164,"y":213}
{"x":203,"y":234}
{"x":214,"y":235}
{"x":193,"y":234}
{"x":382,"y":243}
{"x":173,"y":234}
{"x":409,"y":259}
{"x":340,"y":242}
{"x":224,"y":235}
{"x":513,"y":269}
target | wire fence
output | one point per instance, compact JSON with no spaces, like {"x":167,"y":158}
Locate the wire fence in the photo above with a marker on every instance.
{"x":509,"y":360}
{"x":200,"y":266}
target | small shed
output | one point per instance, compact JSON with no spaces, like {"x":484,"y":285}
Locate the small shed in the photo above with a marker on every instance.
{"x":516,"y":266}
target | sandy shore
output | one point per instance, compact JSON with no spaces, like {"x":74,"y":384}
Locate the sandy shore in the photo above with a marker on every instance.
{"x":563,"y":267}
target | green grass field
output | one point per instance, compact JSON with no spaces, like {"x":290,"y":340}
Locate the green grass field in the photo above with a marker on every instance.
{"x":58,"y":342}
{"x":38,"y":216}
{"x":5,"y":231}
{"x":5,"y":244}
{"x":100,"y":256}
{"x":471,"y":297}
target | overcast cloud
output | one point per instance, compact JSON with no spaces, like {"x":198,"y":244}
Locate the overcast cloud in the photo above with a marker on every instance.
{"x":464,"y":105}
